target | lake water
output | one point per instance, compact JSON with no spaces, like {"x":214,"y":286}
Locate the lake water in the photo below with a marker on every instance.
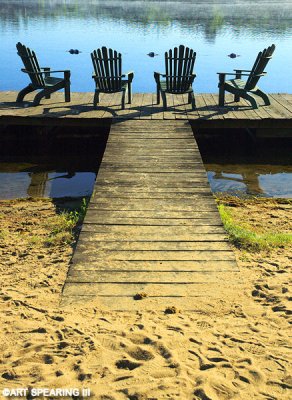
{"x":212,"y":28}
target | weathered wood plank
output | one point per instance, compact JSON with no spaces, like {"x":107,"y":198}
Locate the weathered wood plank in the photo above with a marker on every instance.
{"x":151,"y":289}
{"x":84,"y":245}
{"x":146,"y":231}
{"x":161,"y":214}
{"x":158,"y":168}
{"x":166,"y":192}
{"x":153,"y":235}
{"x":140,"y":277}
{"x":150,"y":205}
{"x":213,"y":266}
{"x":158,"y":255}
{"x":152,"y":185}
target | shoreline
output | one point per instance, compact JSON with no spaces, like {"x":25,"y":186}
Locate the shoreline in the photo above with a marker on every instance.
{"x":227,"y":350}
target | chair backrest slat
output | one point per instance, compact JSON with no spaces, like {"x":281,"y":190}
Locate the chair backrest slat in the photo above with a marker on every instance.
{"x":107,"y":64}
{"x":31,"y":65}
{"x":259,"y":66}
{"x":179,"y":65}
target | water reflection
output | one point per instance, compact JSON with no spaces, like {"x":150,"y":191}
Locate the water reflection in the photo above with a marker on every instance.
{"x":264,"y":180}
{"x":18,"y":181}
{"x":213,"y":28}
{"x":210,"y":16}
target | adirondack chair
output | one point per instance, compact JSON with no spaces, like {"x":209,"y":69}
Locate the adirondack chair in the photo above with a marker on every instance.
{"x":246,"y":89}
{"x":179,"y":76}
{"x":41,"y":78}
{"x":107,"y":64}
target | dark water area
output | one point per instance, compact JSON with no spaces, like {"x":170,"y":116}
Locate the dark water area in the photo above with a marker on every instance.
{"x":213,"y":28}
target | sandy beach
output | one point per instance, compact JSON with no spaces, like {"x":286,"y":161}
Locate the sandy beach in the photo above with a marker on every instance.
{"x":228,"y":349}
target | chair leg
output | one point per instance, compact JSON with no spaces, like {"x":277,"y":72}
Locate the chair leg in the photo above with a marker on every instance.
{"x":44,"y":93}
{"x":163,"y":95}
{"x":264,"y":96}
{"x":67,"y":92}
{"x":129,"y":93}
{"x":192,"y":100}
{"x":67,"y":75}
{"x":221,"y":96}
{"x":23,"y":93}
{"x":157,"y":95}
{"x":39,"y":96}
{"x":123,"y":99}
{"x":251,"y":99}
{"x":95,"y":99}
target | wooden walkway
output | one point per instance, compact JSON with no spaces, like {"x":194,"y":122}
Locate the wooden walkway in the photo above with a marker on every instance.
{"x":152,"y":225}
{"x":207,"y":114}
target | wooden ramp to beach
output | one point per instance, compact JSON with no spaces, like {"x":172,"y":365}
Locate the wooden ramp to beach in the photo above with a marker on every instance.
{"x":152,"y":226}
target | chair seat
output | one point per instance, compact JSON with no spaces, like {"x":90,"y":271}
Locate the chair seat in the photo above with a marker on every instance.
{"x":239,"y":84}
{"x":163,"y":87}
{"x":51,"y":81}
{"x":124,"y":85}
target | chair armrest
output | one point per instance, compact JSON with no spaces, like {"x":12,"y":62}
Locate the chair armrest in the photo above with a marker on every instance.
{"x":226,"y":73}
{"x":230,"y":73}
{"x":94,"y":76}
{"x":45,"y":71}
{"x":242,"y":70}
{"x":130,"y":76}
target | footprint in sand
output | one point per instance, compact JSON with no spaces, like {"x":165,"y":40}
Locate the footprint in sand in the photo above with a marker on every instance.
{"x":111,"y":343}
{"x":10,"y":375}
{"x":137,"y":338}
{"x":140,"y":354}
{"x":255,"y":349}
{"x":203,"y":324}
{"x":127,"y":364}
{"x":175,"y":329}
{"x":48,"y":359}
{"x":276,"y":297}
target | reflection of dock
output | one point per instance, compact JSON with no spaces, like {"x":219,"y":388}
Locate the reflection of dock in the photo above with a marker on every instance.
{"x":207,"y":114}
{"x":248,"y":175}
{"x":37,"y":184}
{"x":152,"y":225}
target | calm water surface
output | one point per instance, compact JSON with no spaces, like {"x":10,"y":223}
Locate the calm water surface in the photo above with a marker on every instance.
{"x":213,"y":28}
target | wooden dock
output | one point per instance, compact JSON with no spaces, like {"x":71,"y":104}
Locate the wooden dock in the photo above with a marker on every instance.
{"x":152,"y":226}
{"x":208,"y":114}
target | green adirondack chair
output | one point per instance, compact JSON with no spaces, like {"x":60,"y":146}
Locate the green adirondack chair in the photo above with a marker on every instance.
{"x":179,"y":76}
{"x":246,"y":89}
{"x":108,"y":77}
{"x":41,"y":78}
